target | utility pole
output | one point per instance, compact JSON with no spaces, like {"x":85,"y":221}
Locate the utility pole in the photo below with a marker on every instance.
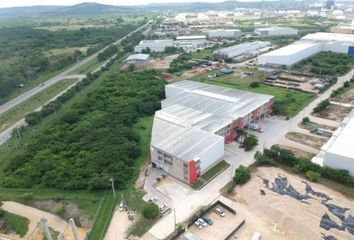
{"x":112,"y":183}
{"x":73,"y":228}
{"x":43,"y":225}
{"x":174,"y":217}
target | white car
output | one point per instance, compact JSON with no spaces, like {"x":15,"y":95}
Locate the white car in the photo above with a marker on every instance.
{"x":219,"y":212}
{"x":202,"y":222}
{"x":121,"y":207}
{"x":197,"y":223}
{"x":152,"y":200}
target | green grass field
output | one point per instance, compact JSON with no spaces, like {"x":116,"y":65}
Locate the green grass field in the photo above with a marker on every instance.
{"x":17,"y":223}
{"x":18,"y":112}
{"x":235,"y":81}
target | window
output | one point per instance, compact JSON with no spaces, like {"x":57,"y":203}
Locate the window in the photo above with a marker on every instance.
{"x":169,"y":162}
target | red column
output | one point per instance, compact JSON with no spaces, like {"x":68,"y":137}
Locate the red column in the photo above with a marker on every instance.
{"x":193,"y":173}
{"x":240,"y":123}
{"x":229,"y":138}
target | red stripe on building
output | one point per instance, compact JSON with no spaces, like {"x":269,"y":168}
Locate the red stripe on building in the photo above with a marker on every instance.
{"x":229,"y":138}
{"x":255,"y":114}
{"x":193,"y":173}
{"x":240,"y":123}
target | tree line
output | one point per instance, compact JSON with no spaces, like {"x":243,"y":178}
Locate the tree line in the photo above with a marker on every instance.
{"x":91,"y":142}
{"x":25,"y":49}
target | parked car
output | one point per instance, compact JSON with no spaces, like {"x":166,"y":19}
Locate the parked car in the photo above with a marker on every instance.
{"x":152,"y":200}
{"x":197,"y":223}
{"x":219,"y":212}
{"x":202,"y":222}
{"x":207,"y":220}
{"x":162,"y":207}
{"x":121,"y":207}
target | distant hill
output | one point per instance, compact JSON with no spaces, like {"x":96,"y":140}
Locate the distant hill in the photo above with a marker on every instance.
{"x":98,"y":9}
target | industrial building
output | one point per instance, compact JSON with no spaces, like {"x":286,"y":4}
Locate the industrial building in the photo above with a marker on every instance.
{"x":224,"y":34}
{"x":275,"y":31}
{"x":308,"y":46}
{"x":343,"y":28}
{"x":190,"y":42}
{"x":196,"y":120}
{"x":338,"y":152}
{"x":153,"y":45}
{"x":248,"y":48}
{"x":139,"y":60}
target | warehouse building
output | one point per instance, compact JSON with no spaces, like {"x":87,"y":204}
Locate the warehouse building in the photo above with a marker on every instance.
{"x":338,"y":152}
{"x":308,"y":46}
{"x":139,"y":60}
{"x":248,"y":48}
{"x":190,"y":42}
{"x":275,"y":31}
{"x":153,"y":45}
{"x":196,"y":120}
{"x":224,"y":34}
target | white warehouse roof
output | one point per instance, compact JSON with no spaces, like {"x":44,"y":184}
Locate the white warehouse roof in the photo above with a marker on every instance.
{"x":324,"y":36}
{"x":196,"y":37}
{"x":242,"y":48}
{"x":194,"y":111}
{"x":338,"y":152}
{"x":274,"y":28}
{"x":139,"y":56}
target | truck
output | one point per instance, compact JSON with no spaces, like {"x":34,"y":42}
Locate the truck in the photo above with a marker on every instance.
{"x":322,"y":132}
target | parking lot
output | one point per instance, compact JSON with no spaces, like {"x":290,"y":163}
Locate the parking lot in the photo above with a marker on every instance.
{"x":221,"y":226}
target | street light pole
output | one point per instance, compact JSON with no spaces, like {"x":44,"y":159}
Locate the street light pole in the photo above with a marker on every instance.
{"x":112,"y":183}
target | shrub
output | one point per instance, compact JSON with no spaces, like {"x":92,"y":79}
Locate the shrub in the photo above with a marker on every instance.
{"x":262,"y":159}
{"x":321,"y":106}
{"x":346,"y":84}
{"x":254,"y":84}
{"x":312,"y":176}
{"x":305,"y":120}
{"x":242,"y":175}
{"x":250,"y":142}
{"x":151,"y":210}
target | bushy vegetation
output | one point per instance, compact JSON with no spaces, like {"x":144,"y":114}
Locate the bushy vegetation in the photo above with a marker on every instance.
{"x":242,"y":175}
{"x":328,"y":63}
{"x":151,"y":210}
{"x":346,"y":86}
{"x":276,"y":155}
{"x":181,"y":63}
{"x":312,"y":176}
{"x":321,"y":106}
{"x":107,"y":53}
{"x":250,"y":141}
{"x":24,"y":50}
{"x":93,"y":141}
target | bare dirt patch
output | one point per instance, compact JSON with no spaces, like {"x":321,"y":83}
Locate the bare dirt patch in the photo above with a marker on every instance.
{"x":119,"y":226}
{"x":334,"y":113}
{"x":284,"y":217}
{"x":347,"y":97}
{"x":306,"y":139}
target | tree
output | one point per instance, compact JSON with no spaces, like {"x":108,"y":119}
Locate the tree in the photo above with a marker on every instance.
{"x":242,"y":175}
{"x":312,"y":176}
{"x":306,"y":120}
{"x":151,"y":210}
{"x":263,"y":159}
{"x":250,"y":142}
{"x":254,"y":84}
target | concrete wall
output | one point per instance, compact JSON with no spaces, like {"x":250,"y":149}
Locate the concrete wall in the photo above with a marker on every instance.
{"x":339,"y":162}
{"x":290,"y":59}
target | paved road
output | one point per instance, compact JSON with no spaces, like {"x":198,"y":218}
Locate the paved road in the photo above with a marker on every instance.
{"x":23,"y":97}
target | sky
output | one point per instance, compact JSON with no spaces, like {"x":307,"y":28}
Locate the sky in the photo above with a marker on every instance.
{"x":16,"y":3}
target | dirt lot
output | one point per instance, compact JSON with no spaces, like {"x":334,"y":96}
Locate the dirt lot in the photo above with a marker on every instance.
{"x":335,"y":113}
{"x":278,"y":216}
{"x":119,"y":226}
{"x":161,"y":63}
{"x":227,"y":224}
{"x":308,"y":140}
{"x":347,"y":97}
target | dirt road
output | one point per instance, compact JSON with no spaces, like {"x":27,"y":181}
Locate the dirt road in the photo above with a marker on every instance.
{"x":119,"y":226}
{"x":34,"y":215}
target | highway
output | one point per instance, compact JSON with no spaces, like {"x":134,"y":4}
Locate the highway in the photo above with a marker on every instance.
{"x":6,"y":134}
{"x":23,"y":97}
